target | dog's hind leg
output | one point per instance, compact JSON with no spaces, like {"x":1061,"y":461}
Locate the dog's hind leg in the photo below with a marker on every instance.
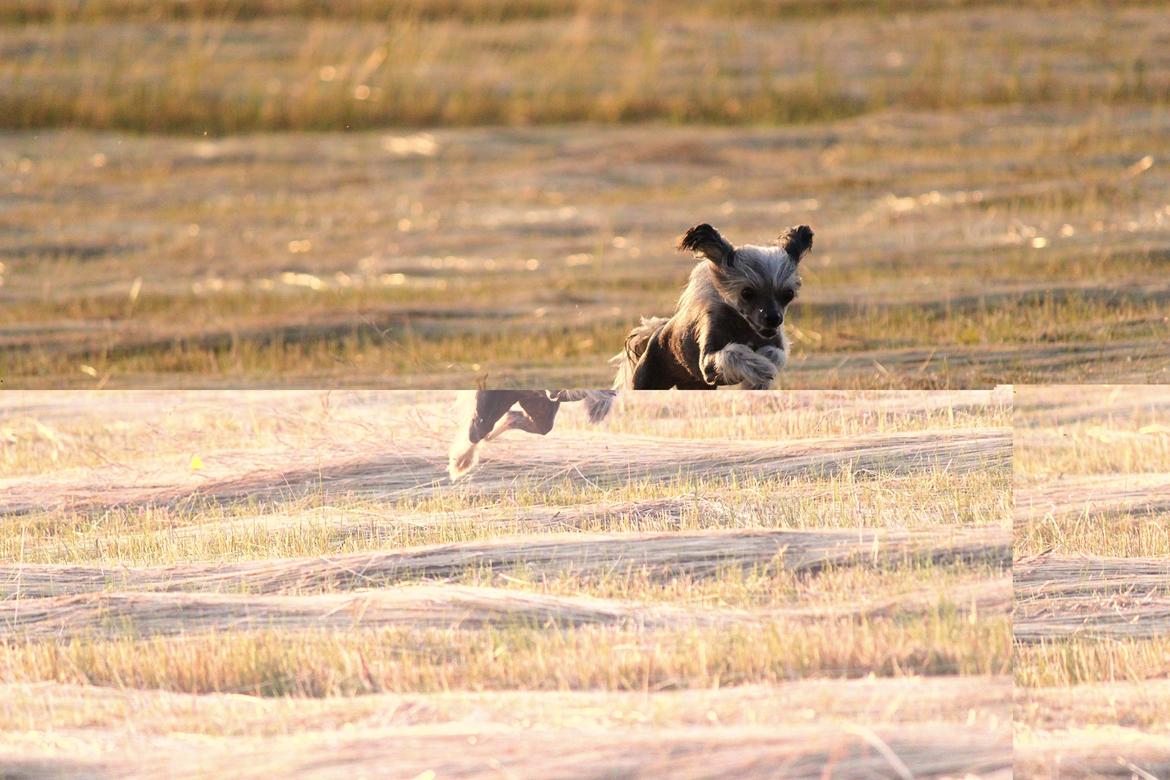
{"x":637,"y":344}
{"x":654,"y":369}
{"x":481,"y":410}
{"x":490,"y":406}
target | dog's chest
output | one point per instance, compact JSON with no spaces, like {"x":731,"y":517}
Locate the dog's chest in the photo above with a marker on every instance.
{"x":734,"y":329}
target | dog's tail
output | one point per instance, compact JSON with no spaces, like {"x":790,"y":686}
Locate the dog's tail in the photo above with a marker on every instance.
{"x":597,"y":402}
{"x":627,"y":360}
{"x":464,"y":452}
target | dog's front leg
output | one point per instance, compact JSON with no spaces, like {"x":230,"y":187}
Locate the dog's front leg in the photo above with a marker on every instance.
{"x":737,"y":364}
{"x":774,"y":355}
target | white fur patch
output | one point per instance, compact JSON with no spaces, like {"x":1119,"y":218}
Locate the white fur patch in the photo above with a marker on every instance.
{"x":462,"y":459}
{"x":738,"y":364}
{"x":776,"y":356}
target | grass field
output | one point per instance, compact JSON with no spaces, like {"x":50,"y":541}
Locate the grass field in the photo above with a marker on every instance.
{"x":278,"y":582}
{"x":402,"y":194}
{"x":1092,"y":582}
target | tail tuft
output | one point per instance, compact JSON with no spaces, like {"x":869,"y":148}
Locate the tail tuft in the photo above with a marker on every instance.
{"x":598,"y":403}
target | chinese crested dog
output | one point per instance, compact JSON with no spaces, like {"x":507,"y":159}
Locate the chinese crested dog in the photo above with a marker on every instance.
{"x":727,"y":329}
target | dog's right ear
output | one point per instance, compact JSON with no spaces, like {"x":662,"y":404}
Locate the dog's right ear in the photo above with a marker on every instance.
{"x":706,"y":241}
{"x":796,"y":241}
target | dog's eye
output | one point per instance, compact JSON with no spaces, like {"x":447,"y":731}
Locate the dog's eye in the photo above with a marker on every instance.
{"x":785,"y":297}
{"x":748,"y":294}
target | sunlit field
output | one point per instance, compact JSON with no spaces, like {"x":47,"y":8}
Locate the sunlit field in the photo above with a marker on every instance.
{"x":1092,"y":581}
{"x":407,"y":194}
{"x":254,"y":582}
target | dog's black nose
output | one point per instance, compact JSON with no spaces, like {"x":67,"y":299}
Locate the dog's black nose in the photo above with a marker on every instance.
{"x":773,"y":320}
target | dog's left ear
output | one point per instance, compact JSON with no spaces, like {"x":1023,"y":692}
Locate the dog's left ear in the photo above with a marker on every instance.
{"x":796,"y":241}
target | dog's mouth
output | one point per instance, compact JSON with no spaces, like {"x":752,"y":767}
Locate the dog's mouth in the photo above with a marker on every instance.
{"x":768,"y":332}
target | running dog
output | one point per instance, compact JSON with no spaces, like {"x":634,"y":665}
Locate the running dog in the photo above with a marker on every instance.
{"x":483,"y":410}
{"x":727,"y":328}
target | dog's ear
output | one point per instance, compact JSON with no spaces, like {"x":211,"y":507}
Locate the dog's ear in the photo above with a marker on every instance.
{"x":796,"y":241}
{"x":706,"y":241}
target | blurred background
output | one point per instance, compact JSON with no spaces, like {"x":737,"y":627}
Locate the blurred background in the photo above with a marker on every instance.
{"x":460,"y":192}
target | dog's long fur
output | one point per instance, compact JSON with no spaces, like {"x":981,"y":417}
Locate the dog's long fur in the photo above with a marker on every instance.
{"x":485,"y":414}
{"x":727,"y":329}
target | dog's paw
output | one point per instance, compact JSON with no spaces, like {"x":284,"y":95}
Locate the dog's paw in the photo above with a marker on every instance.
{"x":738,"y":364}
{"x":758,"y":375}
{"x":774,"y":355}
{"x":460,"y":463}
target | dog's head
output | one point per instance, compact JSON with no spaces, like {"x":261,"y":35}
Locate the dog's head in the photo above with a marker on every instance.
{"x":757,"y":281}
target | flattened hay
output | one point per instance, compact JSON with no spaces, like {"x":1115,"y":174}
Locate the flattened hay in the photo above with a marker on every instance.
{"x":1091,"y":598}
{"x":792,"y":751}
{"x":660,"y":555}
{"x":600,"y":459}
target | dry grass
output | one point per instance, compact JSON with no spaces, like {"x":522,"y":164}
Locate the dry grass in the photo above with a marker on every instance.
{"x":26,"y":706}
{"x":658,"y":556}
{"x":1079,"y":664}
{"x":424,"y":606}
{"x":70,"y":429}
{"x":154,"y":535}
{"x":1074,"y":598}
{"x":244,"y":67}
{"x":561,"y":733}
{"x":534,"y":282}
{"x":986,"y":180}
{"x":1115,"y":729}
{"x":357,"y":462}
{"x":1090,"y":470}
{"x":1127,"y":534}
{"x":1092,"y":588}
{"x":343,"y":488}
{"x":1106,"y":430}
{"x":313,"y":663}
{"x":673,"y":552}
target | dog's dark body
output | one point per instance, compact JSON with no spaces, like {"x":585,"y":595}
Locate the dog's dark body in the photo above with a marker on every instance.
{"x":673,"y":355}
{"x":727,"y":326}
